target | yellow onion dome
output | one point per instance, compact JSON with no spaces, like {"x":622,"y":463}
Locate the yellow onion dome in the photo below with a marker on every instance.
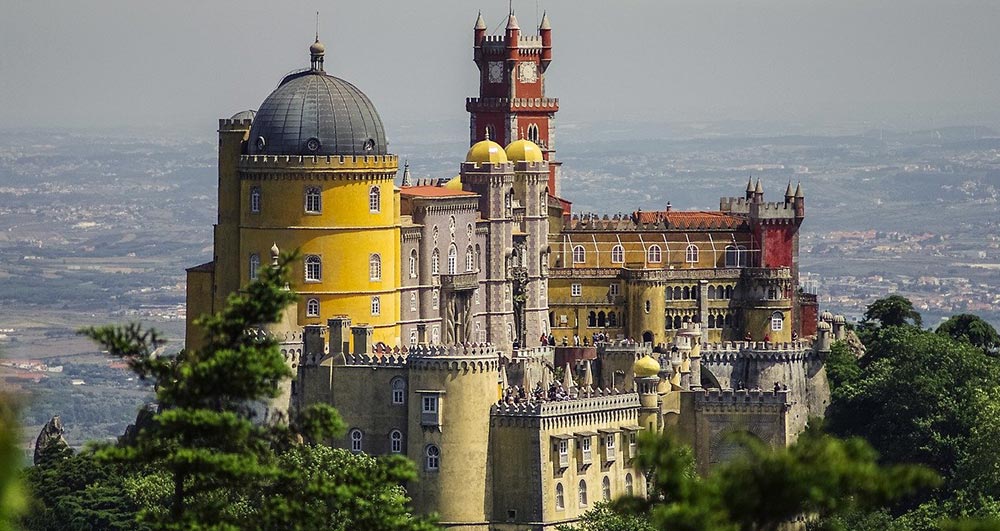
{"x":524,"y":150}
{"x":486,"y":151}
{"x":646,"y":367}
{"x":455,"y":183}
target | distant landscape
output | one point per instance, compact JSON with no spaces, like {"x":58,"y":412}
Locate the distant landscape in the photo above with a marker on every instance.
{"x":98,"y":227}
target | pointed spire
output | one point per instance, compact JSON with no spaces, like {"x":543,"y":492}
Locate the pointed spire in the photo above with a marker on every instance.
{"x":788,"y":191}
{"x":545,"y":21}
{"x":512,"y":22}
{"x":504,"y":383}
{"x":759,"y":189}
{"x":798,"y":191}
{"x":406,"y":174}
{"x":487,"y":133}
{"x":750,"y":184}
{"x":480,"y":22}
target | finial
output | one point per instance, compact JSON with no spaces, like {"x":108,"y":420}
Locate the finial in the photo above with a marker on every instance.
{"x":317,"y":26}
{"x":512,"y":21}
{"x":406,"y":173}
{"x":274,"y":254}
{"x":487,"y":133}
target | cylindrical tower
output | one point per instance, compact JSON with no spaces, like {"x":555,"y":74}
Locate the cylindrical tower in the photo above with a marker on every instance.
{"x":647,"y":311}
{"x":647,"y":379}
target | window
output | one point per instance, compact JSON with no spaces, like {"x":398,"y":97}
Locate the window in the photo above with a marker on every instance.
{"x":254,"y":199}
{"x":479,"y":258}
{"x":396,"y":441}
{"x":628,"y":484}
{"x":617,"y":254}
{"x":606,"y":488}
{"x":314,"y":269}
{"x":777,"y":321}
{"x":254,"y":266}
{"x":376,"y":305}
{"x":413,"y":337}
{"x":711,"y":321}
{"x":470,"y":260}
{"x":649,"y":306}
{"x":576,"y":290}
{"x":653,"y":255}
{"x":413,"y":302}
{"x":732,"y":256}
{"x":433,"y":457}
{"x":585,"y":449}
{"x":583,"y":493}
{"x":533,"y":133}
{"x":356,"y":440}
{"x":429,"y":404}
{"x":313,"y":203}
{"x":691,"y":254}
{"x":374,"y":200}
{"x":563,"y":451}
{"x":614,"y":290}
{"x":375,"y":267}
{"x":312,"y":308}
{"x":579,"y":254}
{"x":560,"y":497}
{"x":476,"y":295}
{"x":452,"y":259}
{"x":435,"y":299}
{"x":398,"y":390}
{"x":435,"y":334}
{"x":711,"y":292}
{"x":413,"y":263}
{"x":435,"y":262}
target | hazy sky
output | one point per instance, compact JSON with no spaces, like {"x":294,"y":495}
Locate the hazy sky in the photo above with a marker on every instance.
{"x":185,"y":63}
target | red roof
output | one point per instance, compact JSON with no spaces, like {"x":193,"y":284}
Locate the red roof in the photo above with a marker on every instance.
{"x":690,"y":218}
{"x":433,"y":191}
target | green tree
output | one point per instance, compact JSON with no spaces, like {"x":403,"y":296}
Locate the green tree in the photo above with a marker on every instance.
{"x":225,"y":471}
{"x":971,"y":329}
{"x":604,"y":517}
{"x":11,"y":496}
{"x":894,"y":310}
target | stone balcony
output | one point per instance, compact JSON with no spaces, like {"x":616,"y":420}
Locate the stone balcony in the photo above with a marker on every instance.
{"x":459,"y":282}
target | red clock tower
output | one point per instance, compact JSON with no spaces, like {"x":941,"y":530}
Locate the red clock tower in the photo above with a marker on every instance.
{"x":512,"y":103}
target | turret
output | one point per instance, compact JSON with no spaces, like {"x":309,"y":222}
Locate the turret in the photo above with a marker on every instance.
{"x":513,"y":37}
{"x":750,"y":188}
{"x":789,"y":194}
{"x":800,"y":202}
{"x":647,"y":380}
{"x":406,"y":175}
{"x":545,"y":31}
{"x":758,"y":191}
{"x":479,"y":31}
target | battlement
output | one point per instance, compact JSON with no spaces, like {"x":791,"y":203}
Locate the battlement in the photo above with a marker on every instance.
{"x":764,"y":210}
{"x":729,"y":350}
{"x":529,"y":166}
{"x":283,"y":337}
{"x":503,"y":168}
{"x":468,"y":350}
{"x":513,"y":104}
{"x":679,"y":220}
{"x":602,"y":400}
{"x":228,"y":124}
{"x":389,"y":361}
{"x":767,"y":273}
{"x":710,"y":398}
{"x":367,"y":163}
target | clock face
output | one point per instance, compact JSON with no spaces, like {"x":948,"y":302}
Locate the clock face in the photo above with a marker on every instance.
{"x":527,"y":72}
{"x":496,"y":72}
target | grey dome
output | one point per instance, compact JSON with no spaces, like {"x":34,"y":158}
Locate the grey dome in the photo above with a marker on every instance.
{"x":312,"y":113}
{"x":243,"y":115}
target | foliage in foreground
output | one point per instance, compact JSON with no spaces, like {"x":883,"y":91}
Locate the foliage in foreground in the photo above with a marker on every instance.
{"x":11,"y":498}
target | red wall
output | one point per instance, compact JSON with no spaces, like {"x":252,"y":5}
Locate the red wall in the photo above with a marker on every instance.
{"x":778,"y":246}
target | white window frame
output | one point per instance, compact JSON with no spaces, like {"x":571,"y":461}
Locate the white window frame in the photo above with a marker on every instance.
{"x":375,"y":267}
{"x":376,"y":305}
{"x":691,"y":254}
{"x":582,"y":493}
{"x":777,"y":321}
{"x":452,"y":259}
{"x":254,"y":199}
{"x":576,"y":290}
{"x":313,"y":200}
{"x":579,"y":254}
{"x":606,"y":488}
{"x":313,"y":268}
{"x":254,"y":266}
{"x":470,"y":260}
{"x":413,"y":263}
{"x":435,"y":262}
{"x":398,"y":387}
{"x":312,"y":308}
{"x":560,"y":497}
{"x":429,"y":404}
{"x":396,"y":442}
{"x":374,"y":200}
{"x":618,"y":254}
{"x":432,"y":458}
{"x":614,"y":289}
{"x":357,"y":440}
{"x":413,"y":302}
{"x":654,"y":254}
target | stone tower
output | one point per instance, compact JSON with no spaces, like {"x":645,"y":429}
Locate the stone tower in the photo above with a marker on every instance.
{"x":512,"y":103}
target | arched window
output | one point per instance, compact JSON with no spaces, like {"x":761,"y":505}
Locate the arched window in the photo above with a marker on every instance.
{"x":560,"y":497}
{"x":432,"y":457}
{"x":744,"y":256}
{"x":579,"y":254}
{"x":314,"y":269}
{"x":398,"y":386}
{"x":602,"y":319}
{"x":254,"y":199}
{"x":533,"y":133}
{"x":591,"y":319}
{"x":711,"y":292}
{"x":374,"y":199}
{"x":413,"y":302}
{"x":376,"y":305}
{"x":687,"y":292}
{"x":669,"y":323}
{"x":729,"y":292}
{"x":711,"y":321}
{"x":479,"y":258}
{"x":312,"y":308}
{"x":677,"y":321}
{"x":677,"y":293}
{"x":606,"y":488}
{"x":732,"y":256}
{"x":413,"y":263}
{"x":313,"y":202}
{"x":729,"y":320}
{"x":375,"y":267}
{"x":777,"y":321}
{"x":617,"y":254}
{"x":356,"y":440}
{"x":396,"y":441}
{"x":435,"y":262}
{"x":612,"y":319}
{"x":628,"y":484}
{"x":691,"y":254}
{"x":648,"y":306}
{"x":470,"y":260}
{"x":254,"y":266}
{"x":583,"y":493}
{"x":653,"y":254}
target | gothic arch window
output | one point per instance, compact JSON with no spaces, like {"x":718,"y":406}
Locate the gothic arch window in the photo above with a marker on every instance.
{"x":711,"y":321}
{"x":711,"y":292}
{"x":533,"y":133}
{"x":628,"y":485}
{"x":732,"y":256}
{"x":312,"y":308}
{"x":413,"y":302}
{"x":313,"y":269}
{"x":479,"y":258}
{"x":602,"y":320}
{"x":376,"y":305}
{"x":592,"y":319}
{"x":691,"y":254}
{"x":677,"y":321}
{"x":612,"y":319}
{"x":375,"y":267}
{"x":313,"y":199}
{"x":254,"y":266}
{"x":677,"y":293}
{"x":579,"y":254}
{"x":515,"y":259}
{"x":583,"y":493}
{"x":396,"y":442}
{"x":452,"y":259}
{"x":255,"y":200}
{"x":435,"y":262}
{"x":606,"y":488}
{"x":432,"y":458}
{"x":374,"y":199}
{"x":357,"y":438}
{"x":435,"y":299}
{"x":777,"y":321}
{"x":560,"y":497}
{"x":398,"y":386}
{"x":470,"y":260}
{"x":729,"y":292}
{"x":687,"y":293}
{"x":744,"y":256}
{"x":669,"y":323}
{"x":653,"y":254}
{"x":648,"y":306}
{"x":617,"y":254}
{"x":413,"y":263}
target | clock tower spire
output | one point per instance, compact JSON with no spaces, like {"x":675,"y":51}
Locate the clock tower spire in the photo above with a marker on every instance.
{"x":512,"y":103}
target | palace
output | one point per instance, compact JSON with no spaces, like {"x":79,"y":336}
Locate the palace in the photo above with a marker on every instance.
{"x":510,"y":347}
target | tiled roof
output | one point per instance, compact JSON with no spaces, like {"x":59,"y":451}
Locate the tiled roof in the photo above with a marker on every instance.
{"x":433,"y":191}
{"x":697,"y":219}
